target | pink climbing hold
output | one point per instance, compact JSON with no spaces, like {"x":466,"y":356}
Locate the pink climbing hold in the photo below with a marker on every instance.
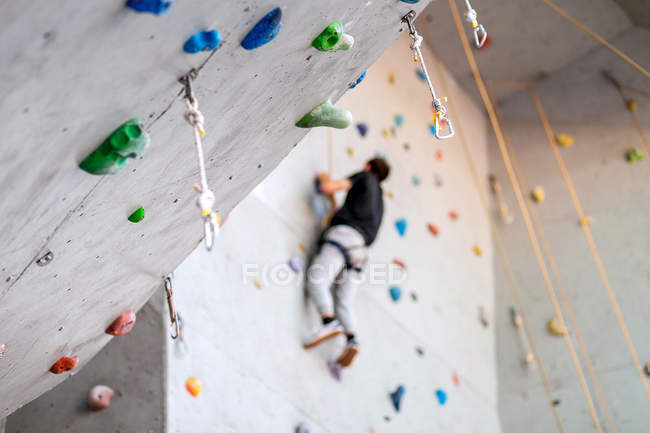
{"x":99,"y":397}
{"x":455,"y":379}
{"x":453,"y":215}
{"x":123,"y":324}
{"x":64,"y":364}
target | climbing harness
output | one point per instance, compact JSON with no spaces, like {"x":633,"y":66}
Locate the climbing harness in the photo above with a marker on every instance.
{"x":480,"y":34}
{"x":173,"y":316}
{"x":440,"y":111}
{"x":206,"y":199}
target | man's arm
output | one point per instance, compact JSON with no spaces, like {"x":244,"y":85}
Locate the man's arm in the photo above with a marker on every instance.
{"x":330,"y":186}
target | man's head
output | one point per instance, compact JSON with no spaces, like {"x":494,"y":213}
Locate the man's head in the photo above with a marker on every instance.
{"x":379,"y":167}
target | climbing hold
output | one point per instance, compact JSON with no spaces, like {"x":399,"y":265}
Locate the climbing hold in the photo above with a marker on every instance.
{"x":391,"y":78}
{"x":137,"y":215}
{"x":437,"y":179}
{"x":420,"y":75}
{"x":399,"y":120}
{"x":455,"y":378}
{"x":350,"y":151}
{"x":442,"y":396}
{"x":335,"y":370}
{"x":634,"y":155}
{"x":400,"y":225}
{"x":325,"y":114}
{"x":631,"y":104}
{"x":384,"y":132}
{"x":193,"y":386}
{"x":406,"y":146}
{"x":564,"y":140}
{"x":395,"y":293}
{"x":556,"y":329}
{"x":538,"y":194}
{"x":477,"y":250}
{"x":127,"y":141}
{"x":295,"y":264}
{"x":99,"y":397}
{"x":389,"y":194}
{"x":362,"y":128}
{"x":482,"y":317}
{"x":433,"y":229}
{"x":358,"y":80}
{"x":414,"y":296}
{"x":396,"y":397}
{"x":453,"y":215}
{"x":486,"y":43}
{"x":439,"y":155}
{"x":3,"y":350}
{"x":393,"y":131}
{"x":529,"y":358}
{"x":122,"y":325}
{"x":321,"y":205}
{"x":301,"y":247}
{"x":584,"y":221}
{"x":415,"y":180}
{"x":419,"y":351}
{"x":157,"y":7}
{"x":556,"y":402}
{"x":410,"y":1}
{"x":257,"y":284}
{"x":647,"y":368}
{"x":206,"y":40}
{"x":333,"y":39}
{"x":432,"y":129}
{"x":64,"y":364}
{"x":264,"y":31}
{"x":399,"y":263}
{"x":516,"y":318}
{"x":302,"y":428}
{"x":45,"y":259}
{"x":381,"y":155}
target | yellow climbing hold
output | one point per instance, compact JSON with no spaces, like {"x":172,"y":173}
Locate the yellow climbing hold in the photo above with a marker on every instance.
{"x":477,"y":250}
{"x":584,"y":221}
{"x":302,"y":247}
{"x":350,"y":151}
{"x":257,"y":284}
{"x":556,"y":329}
{"x":564,"y":140}
{"x":391,"y":78}
{"x":193,"y":386}
{"x":384,"y":132}
{"x":389,"y":194}
{"x":529,"y":358}
{"x":538,"y":194}
{"x":631,"y":104}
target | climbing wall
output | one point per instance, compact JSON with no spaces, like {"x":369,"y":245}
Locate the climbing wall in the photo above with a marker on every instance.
{"x":73,"y":72}
{"x":245,"y":311}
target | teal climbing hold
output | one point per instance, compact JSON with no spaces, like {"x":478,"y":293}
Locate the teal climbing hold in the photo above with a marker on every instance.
{"x":264,"y":31}
{"x":396,"y":397}
{"x":415,"y":180}
{"x":333,"y":39}
{"x":325,"y":114}
{"x":400,"y":225}
{"x":127,"y":141}
{"x":156,"y":7}
{"x":410,"y":1}
{"x":442,"y":396}
{"x":420,"y":75}
{"x":399,"y":120}
{"x":432,"y":129}
{"x":206,"y":40}
{"x":137,"y":215}
{"x":358,"y":80}
{"x":395,"y":293}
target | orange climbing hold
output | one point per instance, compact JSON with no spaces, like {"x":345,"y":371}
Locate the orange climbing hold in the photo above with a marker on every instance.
{"x":99,"y":397}
{"x":123,"y":324}
{"x":439,"y":155}
{"x":193,"y":386}
{"x":477,"y":250}
{"x":399,"y":263}
{"x":301,"y":246}
{"x":433,"y":229}
{"x":64,"y":364}
{"x":257,"y":284}
{"x":453,"y":214}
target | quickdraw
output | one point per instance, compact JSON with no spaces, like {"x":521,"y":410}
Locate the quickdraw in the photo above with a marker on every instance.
{"x":439,"y":110}
{"x":480,"y":34}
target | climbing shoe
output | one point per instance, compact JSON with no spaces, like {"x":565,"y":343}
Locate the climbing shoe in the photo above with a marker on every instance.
{"x":348,"y":355}
{"x":325,"y":332}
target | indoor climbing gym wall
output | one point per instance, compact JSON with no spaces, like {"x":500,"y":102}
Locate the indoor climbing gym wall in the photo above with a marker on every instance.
{"x":428,"y":329}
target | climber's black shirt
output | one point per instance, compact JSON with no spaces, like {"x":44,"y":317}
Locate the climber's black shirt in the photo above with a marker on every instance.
{"x":363,"y":207}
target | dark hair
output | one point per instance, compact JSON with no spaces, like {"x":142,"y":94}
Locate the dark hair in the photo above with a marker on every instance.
{"x":380,"y":168}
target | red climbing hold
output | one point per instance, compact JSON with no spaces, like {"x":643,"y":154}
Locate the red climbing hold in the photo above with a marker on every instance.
{"x":486,"y":44}
{"x":64,"y":364}
{"x":123,"y":324}
{"x":456,"y":379}
{"x":99,"y":397}
{"x":433,"y":229}
{"x":453,"y":214}
{"x":439,"y":155}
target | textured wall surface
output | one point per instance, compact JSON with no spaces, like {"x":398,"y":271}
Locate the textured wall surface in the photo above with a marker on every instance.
{"x":244,"y":342}
{"x":73,"y":73}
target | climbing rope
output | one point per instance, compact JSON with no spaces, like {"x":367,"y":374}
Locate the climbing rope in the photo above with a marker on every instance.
{"x":440,"y":111}
{"x":500,"y":248}
{"x":556,"y":275}
{"x":520,"y":200}
{"x":602,"y":41}
{"x":206,"y":199}
{"x":480,"y":34}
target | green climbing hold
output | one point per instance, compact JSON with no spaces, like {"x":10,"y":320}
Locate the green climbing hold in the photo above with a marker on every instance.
{"x":634,"y":155}
{"x":137,"y":215}
{"x":325,"y":114}
{"x":127,"y":141}
{"x":333,"y":39}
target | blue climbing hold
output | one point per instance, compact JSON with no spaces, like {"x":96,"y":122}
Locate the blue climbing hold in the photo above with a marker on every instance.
{"x":360,"y":79}
{"x":206,"y":40}
{"x":157,"y":7}
{"x":411,"y":2}
{"x":362,"y":128}
{"x":399,"y":119}
{"x":442,"y":397}
{"x":395,"y":293}
{"x":264,"y":31}
{"x":420,"y":74}
{"x":396,"y":397}
{"x":400,"y":225}
{"x":415,"y":180}
{"x":432,"y":129}
{"x":381,"y":155}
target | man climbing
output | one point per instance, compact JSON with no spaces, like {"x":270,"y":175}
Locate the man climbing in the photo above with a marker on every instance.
{"x":335,"y":271}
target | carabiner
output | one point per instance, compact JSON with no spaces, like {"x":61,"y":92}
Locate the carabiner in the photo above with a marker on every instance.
{"x":478,"y":40}
{"x":438,"y":128}
{"x":210,"y":230}
{"x":173,"y":317}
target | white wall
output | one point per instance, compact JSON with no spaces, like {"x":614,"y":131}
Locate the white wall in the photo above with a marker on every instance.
{"x":244,"y":342}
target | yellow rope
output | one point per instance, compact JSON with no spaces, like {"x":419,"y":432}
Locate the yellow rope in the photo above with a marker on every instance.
{"x":609,"y":46}
{"x":520,"y":200}
{"x":589,"y":237}
{"x":495,"y":235}
{"x":556,"y":276}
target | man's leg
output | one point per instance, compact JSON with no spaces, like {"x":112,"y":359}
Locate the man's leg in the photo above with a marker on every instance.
{"x":322,"y":272}
{"x":346,"y":287}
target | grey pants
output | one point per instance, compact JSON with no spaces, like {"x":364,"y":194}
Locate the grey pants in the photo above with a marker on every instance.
{"x":330,"y":284}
